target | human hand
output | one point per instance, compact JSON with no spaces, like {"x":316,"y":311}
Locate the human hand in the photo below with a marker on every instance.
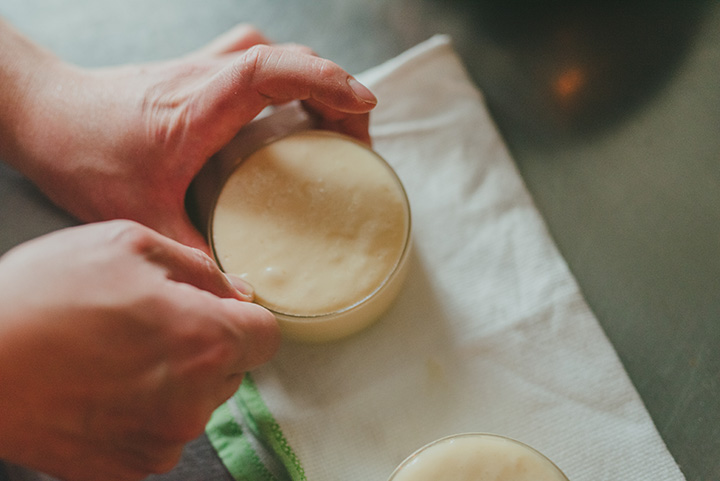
{"x":116,"y":344}
{"x":126,"y":142}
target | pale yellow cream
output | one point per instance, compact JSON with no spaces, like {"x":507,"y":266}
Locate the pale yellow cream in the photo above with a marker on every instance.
{"x":316,"y":222}
{"x":477,"y":457}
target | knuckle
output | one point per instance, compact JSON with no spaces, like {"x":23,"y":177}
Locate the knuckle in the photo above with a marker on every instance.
{"x":244,"y":70}
{"x":218,"y":353}
{"x":165,"y":111}
{"x":256,"y":56}
{"x":205,"y":261}
{"x":326,"y":70}
{"x":131,"y":234}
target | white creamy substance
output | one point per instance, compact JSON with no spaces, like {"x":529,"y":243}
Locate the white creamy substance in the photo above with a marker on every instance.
{"x":314,"y":221}
{"x":477,"y":457}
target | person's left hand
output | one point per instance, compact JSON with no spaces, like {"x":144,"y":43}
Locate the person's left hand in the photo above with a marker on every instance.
{"x":126,"y":142}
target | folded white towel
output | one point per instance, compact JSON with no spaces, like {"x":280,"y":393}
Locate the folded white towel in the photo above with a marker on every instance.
{"x":490,"y":333}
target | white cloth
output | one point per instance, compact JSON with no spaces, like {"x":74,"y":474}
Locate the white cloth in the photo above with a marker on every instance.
{"x":490,"y":333}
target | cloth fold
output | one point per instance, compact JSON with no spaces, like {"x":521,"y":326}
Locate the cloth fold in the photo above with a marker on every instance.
{"x":490,"y":333}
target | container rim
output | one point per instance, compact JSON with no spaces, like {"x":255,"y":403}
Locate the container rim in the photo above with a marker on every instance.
{"x":391,"y":273}
{"x":450,"y":437}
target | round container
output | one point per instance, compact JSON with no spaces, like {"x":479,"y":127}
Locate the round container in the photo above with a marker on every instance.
{"x":477,"y":457}
{"x":319,"y":224}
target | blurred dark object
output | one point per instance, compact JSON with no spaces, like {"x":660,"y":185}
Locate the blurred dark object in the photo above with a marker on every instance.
{"x":577,"y":66}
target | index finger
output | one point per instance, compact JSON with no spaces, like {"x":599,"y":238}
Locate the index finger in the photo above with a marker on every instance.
{"x":188,"y":265}
{"x":265,"y":75}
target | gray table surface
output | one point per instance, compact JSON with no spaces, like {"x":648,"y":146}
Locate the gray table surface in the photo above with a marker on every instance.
{"x":611,"y":113}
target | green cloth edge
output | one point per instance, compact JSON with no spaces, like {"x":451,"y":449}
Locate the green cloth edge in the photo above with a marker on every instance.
{"x":260,"y":419}
{"x":234,"y":450}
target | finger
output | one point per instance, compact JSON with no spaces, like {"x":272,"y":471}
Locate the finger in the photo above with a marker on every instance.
{"x":283,"y":74}
{"x":233,"y":337}
{"x":354,"y":125}
{"x":266,"y":75}
{"x":258,"y":337}
{"x":192,"y":266}
{"x":329,"y":118}
{"x":186,"y":233}
{"x":240,"y":37}
{"x":220,"y":59}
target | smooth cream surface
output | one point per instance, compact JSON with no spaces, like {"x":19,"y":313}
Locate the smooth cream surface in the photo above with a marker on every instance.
{"x":478,"y":458}
{"x":314,"y":221}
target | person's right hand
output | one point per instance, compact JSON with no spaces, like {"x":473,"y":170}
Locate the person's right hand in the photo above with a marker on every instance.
{"x":116,"y":344}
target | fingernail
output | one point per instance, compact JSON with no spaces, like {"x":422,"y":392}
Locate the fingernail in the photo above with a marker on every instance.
{"x":242,"y":286}
{"x":361,"y":91}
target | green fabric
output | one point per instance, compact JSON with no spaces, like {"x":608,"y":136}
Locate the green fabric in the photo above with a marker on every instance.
{"x":259,"y":418}
{"x":233,"y":448}
{"x":234,"y":444}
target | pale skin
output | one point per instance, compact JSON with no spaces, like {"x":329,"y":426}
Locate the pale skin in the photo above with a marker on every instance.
{"x":119,"y":338}
{"x":125,"y":142}
{"x":116,"y":344}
